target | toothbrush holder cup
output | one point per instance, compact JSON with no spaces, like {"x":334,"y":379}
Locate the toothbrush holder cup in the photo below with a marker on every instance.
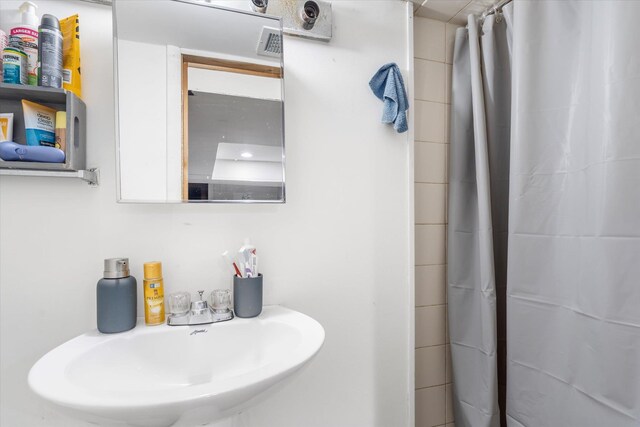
{"x":247,"y":296}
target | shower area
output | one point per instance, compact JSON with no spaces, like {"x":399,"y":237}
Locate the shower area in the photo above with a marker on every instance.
{"x":528,"y":277}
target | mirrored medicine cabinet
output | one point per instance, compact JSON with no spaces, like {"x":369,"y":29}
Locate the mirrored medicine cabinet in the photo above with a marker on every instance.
{"x":200,"y":104}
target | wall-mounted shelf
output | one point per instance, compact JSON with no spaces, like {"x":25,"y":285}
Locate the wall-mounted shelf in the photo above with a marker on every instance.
{"x":11,"y":97}
{"x":90,"y":175}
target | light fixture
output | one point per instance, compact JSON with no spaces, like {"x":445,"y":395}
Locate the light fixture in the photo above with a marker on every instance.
{"x":246,"y":155}
{"x":309,"y":14}
{"x":259,"y":6}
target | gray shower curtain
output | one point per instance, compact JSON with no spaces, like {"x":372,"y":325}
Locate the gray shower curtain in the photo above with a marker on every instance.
{"x":478,"y":216}
{"x":544,"y":216}
{"x":574,"y":233}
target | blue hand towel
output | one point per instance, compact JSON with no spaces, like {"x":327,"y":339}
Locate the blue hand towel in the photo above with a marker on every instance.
{"x":388,"y":86}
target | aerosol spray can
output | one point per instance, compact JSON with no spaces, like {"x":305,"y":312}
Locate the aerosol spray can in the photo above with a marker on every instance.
{"x":153,"y":293}
{"x":50,"y":52}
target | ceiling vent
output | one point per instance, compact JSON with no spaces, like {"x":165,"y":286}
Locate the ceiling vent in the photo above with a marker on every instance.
{"x":270,"y":43}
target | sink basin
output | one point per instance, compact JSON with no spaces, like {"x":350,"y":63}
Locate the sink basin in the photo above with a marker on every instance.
{"x":176,"y":375}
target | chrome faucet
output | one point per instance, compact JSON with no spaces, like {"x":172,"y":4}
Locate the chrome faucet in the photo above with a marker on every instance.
{"x":198,"y":312}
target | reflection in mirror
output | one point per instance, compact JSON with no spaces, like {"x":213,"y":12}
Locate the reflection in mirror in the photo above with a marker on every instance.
{"x":200,"y":112}
{"x":232,"y":141}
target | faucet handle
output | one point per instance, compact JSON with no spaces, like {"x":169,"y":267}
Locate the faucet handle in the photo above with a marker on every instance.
{"x":201,"y":292}
{"x":179,"y":302}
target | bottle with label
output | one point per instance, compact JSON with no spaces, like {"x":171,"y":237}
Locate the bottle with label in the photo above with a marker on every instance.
{"x":153,"y":293}
{"x":50,"y":52}
{"x":116,"y":296}
{"x":14,"y":66}
{"x":25,"y":37}
{"x":4,"y":42}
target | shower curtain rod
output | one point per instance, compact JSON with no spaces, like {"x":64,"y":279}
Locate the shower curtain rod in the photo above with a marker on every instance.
{"x":491,"y":10}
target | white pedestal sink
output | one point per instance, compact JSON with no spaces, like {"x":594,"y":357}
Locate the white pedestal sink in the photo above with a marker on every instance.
{"x":175,"y":375}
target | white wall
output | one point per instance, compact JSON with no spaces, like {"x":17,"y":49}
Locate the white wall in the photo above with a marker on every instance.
{"x":339,"y":250}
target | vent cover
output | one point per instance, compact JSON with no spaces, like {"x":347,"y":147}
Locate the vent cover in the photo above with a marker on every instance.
{"x":270,"y":43}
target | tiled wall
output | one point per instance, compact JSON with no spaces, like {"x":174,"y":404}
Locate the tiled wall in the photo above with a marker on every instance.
{"x":433,"y":41}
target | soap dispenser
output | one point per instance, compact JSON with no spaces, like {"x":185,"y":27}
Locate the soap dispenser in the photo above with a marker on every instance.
{"x":116,"y":297}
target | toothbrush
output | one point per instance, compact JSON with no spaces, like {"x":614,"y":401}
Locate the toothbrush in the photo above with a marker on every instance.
{"x":227,"y":258}
{"x":243,"y":266}
{"x":238,"y":272}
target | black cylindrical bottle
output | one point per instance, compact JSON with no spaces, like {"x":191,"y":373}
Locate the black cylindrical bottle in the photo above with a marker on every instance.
{"x":50,"y":52}
{"x":117,"y":297}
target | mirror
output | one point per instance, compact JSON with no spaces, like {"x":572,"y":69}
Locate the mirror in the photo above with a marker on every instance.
{"x":200,"y":105}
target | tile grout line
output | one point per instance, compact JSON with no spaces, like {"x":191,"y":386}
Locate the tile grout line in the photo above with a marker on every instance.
{"x":431,"y":386}
{"x":430,"y":183}
{"x":431,"y":142}
{"x":453,"y":17}
{"x":446,"y":359}
{"x":430,"y":346}
{"x":433,"y":102}
{"x":431,"y":305}
{"x":432,"y":60}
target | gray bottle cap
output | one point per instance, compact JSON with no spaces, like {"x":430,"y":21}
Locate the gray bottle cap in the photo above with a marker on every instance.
{"x":116,"y":268}
{"x":50,"y":21}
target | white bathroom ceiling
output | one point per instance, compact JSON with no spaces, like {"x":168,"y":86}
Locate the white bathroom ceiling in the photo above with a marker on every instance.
{"x":453,"y":11}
